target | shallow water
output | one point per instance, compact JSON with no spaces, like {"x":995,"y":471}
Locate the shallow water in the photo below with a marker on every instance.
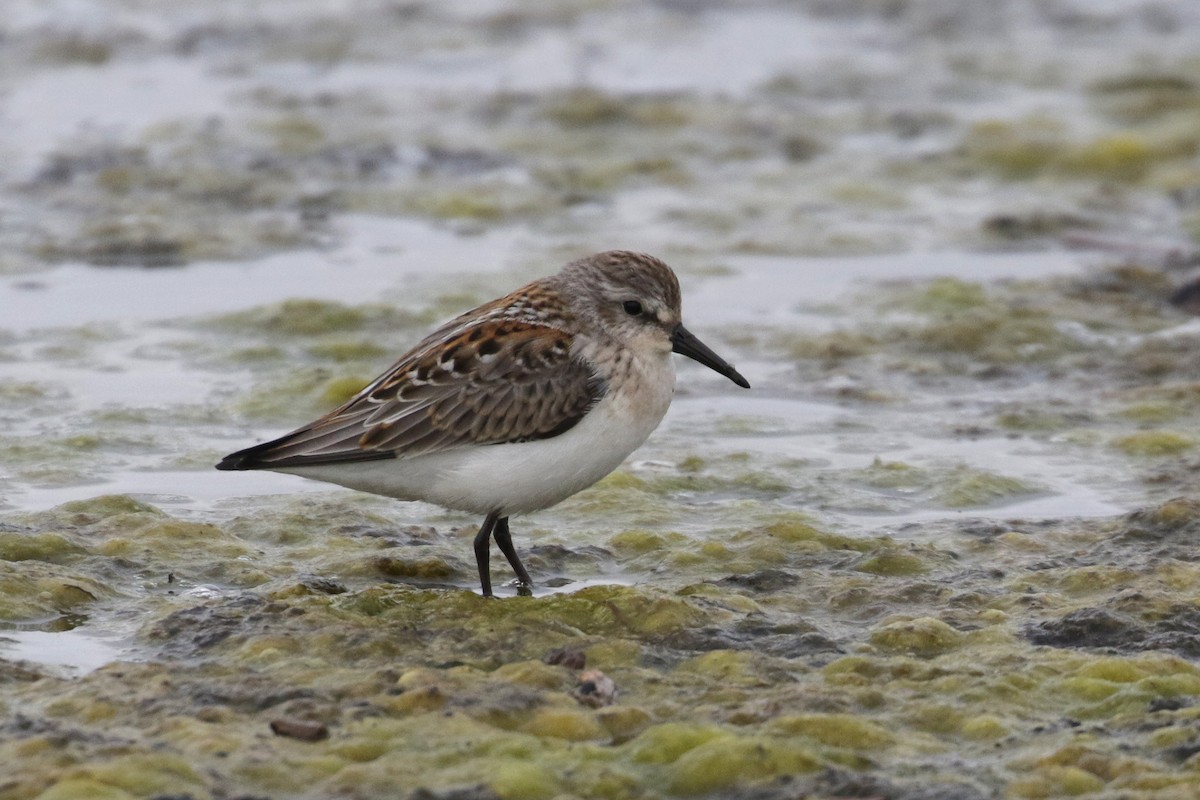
{"x":944,"y":542}
{"x":76,"y":651}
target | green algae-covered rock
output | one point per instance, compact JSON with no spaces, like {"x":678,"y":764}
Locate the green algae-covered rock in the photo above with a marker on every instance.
{"x":572,"y":724}
{"x":1084,"y":688}
{"x":729,"y":760}
{"x":422,"y":568}
{"x":924,"y":636}
{"x":617,"y":609}
{"x":1055,"y":781}
{"x":52,"y":547}
{"x":623,"y":722}
{"x":139,"y":775}
{"x":836,"y":730}
{"x":972,"y":487}
{"x":303,"y":317}
{"x":340,"y":389}
{"x":1155,"y":443}
{"x":1174,"y":513}
{"x":892,"y":562}
{"x":665,"y":743}
{"x":84,"y":789}
{"x":524,"y":780}
{"x":33,"y":590}
{"x":724,"y":666}
{"x":169,"y":538}
{"x":984,"y":728}
{"x":798,"y":528}
{"x":1117,"y":670}
{"x":637,"y":541}
{"x":1178,"y":685}
{"x":87,"y":512}
{"x":536,"y":674}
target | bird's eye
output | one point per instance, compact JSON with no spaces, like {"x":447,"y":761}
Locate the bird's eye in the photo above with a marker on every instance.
{"x":632,"y":307}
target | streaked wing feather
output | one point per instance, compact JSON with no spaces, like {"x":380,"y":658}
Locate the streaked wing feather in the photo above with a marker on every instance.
{"x":499,"y":380}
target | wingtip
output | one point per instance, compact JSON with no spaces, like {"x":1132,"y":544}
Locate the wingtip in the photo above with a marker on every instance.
{"x":230,"y":462}
{"x":241,"y":460}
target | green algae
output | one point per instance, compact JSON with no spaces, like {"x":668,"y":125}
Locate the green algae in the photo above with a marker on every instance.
{"x":894,"y":475}
{"x":607,"y":176}
{"x":979,"y":487}
{"x":923,"y":636}
{"x":1029,"y":150}
{"x":33,"y":593}
{"x":948,"y":295}
{"x":277,"y":398}
{"x":20,"y":392}
{"x":483,"y":202}
{"x":666,"y":743}
{"x":1032,"y":420}
{"x":834,"y":347}
{"x":1013,"y":152}
{"x":588,"y":107}
{"x":96,"y":509}
{"x":1154,"y":443}
{"x":984,"y":728}
{"x":727,"y":761}
{"x":883,"y":562}
{"x":569,"y":724}
{"x":638,"y":542}
{"x":946,"y":486}
{"x":347,"y":351}
{"x":461,"y":696}
{"x":995,"y":337}
{"x":1151,"y":413}
{"x":837,"y":730}
{"x":308,"y":317}
{"x":339,"y":390}
{"x":1143,"y":96}
{"x":796,"y":527}
{"x":46,"y":546}
{"x":1125,"y":156}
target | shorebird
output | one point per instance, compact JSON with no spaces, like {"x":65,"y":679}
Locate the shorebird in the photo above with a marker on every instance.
{"x":513,"y":406}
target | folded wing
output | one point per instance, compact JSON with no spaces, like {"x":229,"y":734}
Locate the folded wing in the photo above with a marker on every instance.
{"x":497,"y":381}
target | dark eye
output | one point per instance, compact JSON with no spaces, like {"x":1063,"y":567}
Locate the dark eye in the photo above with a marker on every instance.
{"x":632,"y":307}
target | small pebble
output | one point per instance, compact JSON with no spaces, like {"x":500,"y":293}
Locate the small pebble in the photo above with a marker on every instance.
{"x":595,"y":689}
{"x":566,"y":657}
{"x":301,"y":729}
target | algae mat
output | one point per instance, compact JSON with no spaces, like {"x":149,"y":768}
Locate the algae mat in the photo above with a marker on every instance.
{"x":1046,"y":659}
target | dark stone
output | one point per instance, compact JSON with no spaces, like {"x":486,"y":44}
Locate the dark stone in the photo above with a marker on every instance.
{"x":569,"y":657}
{"x":323,"y":585}
{"x":1087,"y":627}
{"x":764,"y":580}
{"x":1177,"y":631}
{"x":844,"y":784}
{"x":480,"y":792}
{"x":1166,"y":704}
{"x":301,"y":729}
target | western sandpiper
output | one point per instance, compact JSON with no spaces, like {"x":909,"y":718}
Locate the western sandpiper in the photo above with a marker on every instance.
{"x":513,"y":406}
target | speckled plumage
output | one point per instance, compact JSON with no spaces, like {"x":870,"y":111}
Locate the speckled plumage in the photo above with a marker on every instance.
{"x":514,"y":405}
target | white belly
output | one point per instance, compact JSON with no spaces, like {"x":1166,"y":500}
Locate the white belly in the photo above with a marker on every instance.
{"x":526,"y":476}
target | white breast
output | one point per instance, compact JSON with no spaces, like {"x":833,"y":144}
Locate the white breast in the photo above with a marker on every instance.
{"x":525,"y":476}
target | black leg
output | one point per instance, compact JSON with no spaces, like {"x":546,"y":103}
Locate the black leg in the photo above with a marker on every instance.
{"x":504,"y":542}
{"x":482,"y":543}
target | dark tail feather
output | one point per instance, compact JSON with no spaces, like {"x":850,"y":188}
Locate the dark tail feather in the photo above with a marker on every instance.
{"x":259,"y":457}
{"x":250,"y":458}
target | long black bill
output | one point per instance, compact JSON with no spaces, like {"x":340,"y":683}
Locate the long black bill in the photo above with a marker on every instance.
{"x":684,"y":343}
